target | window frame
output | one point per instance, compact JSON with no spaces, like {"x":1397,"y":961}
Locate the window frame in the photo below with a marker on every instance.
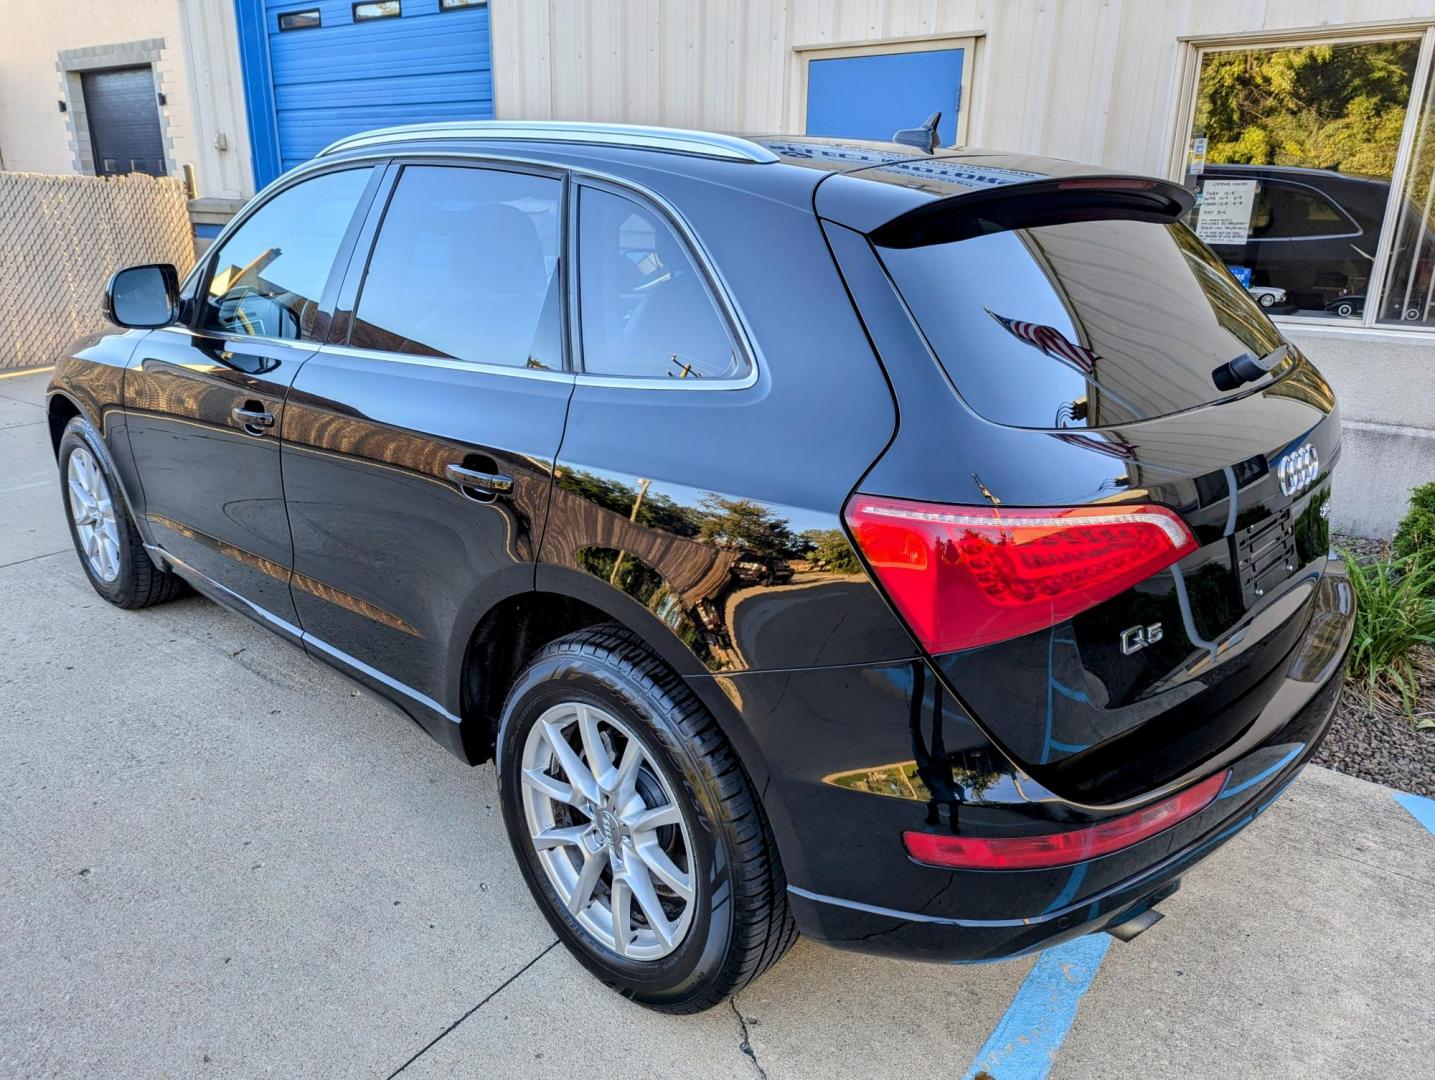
{"x":358,"y":20}
{"x":968,"y":41}
{"x":313,"y":10}
{"x":1194,"y":50}
{"x":367,"y":234}
{"x":717,"y":296}
{"x":196,"y":284}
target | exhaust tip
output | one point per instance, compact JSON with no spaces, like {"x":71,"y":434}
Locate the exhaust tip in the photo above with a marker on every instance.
{"x":1130,"y":928}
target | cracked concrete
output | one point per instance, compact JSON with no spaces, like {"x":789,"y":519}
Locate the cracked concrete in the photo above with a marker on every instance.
{"x":746,"y":1045}
{"x":220,"y":859}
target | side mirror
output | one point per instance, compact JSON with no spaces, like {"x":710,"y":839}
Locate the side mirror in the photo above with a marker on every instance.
{"x":143,"y":297}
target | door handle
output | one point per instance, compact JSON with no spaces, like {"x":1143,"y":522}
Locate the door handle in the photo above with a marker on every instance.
{"x":472,"y":480}
{"x":253,"y":417}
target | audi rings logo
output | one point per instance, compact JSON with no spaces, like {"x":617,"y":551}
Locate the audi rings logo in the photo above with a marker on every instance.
{"x":1298,"y":470}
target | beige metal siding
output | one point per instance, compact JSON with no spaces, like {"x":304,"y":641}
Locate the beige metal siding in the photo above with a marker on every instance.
{"x":1095,"y":80}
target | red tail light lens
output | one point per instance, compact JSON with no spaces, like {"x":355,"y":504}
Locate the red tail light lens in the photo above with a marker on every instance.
{"x":1061,"y":849}
{"x":964,"y":576}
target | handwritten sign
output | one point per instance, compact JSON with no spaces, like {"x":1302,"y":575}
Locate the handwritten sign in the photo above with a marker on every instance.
{"x":1226,"y":207}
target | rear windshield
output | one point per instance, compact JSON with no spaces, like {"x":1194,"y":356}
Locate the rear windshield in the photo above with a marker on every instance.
{"x":1086,"y":324}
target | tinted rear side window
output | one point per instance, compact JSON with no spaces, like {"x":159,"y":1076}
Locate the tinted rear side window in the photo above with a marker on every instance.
{"x":1086,"y":324}
{"x":466,"y":267}
{"x":646,"y":312}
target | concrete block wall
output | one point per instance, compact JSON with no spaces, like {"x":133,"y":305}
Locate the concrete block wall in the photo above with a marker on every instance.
{"x":1386,"y":386}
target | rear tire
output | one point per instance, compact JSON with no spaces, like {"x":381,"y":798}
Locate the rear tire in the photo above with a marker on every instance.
{"x":715,"y":843}
{"x":109,"y":545}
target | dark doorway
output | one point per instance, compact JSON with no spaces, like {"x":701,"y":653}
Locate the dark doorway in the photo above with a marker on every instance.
{"x":124,"y":121}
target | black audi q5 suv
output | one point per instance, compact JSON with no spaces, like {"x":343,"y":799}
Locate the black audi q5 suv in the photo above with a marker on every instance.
{"x":927,"y":552}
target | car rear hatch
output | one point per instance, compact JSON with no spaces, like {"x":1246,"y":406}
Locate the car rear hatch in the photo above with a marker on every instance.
{"x":1110,"y":542}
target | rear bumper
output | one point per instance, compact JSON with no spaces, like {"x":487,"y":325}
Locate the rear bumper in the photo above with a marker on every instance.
{"x":1259,"y":781}
{"x":891,"y":906}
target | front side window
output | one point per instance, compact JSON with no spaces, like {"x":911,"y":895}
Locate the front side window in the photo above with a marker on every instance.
{"x":645,"y":309}
{"x":269,"y":275}
{"x":1292,"y":155}
{"x":466,"y":267}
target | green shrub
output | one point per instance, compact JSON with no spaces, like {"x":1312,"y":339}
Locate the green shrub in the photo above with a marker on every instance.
{"x":1415,"y":538}
{"x":1395,"y":619}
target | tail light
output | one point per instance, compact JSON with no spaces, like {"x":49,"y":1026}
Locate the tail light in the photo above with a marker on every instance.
{"x":1062,"y":849}
{"x":963,"y":576}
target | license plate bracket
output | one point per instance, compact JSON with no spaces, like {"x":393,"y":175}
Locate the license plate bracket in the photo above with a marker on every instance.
{"x":1265,"y":555}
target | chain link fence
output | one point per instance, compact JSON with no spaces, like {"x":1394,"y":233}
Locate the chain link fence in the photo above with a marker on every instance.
{"x":61,"y":237}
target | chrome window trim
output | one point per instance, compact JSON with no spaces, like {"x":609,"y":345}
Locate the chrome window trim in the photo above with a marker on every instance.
{"x":716,"y":295}
{"x":721,"y":291}
{"x":449,"y":363}
{"x":672,"y":140}
{"x":297,"y":344}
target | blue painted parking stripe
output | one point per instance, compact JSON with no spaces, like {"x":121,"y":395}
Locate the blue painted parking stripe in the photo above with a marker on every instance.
{"x":1027,"y":1038}
{"x":1421,"y":808}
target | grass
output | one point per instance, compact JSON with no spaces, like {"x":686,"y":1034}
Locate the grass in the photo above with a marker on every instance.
{"x":1391,"y":656}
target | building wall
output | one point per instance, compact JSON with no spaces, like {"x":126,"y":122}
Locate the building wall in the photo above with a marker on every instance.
{"x":1093,"y":80}
{"x":190,"y":44}
{"x":222,"y":153}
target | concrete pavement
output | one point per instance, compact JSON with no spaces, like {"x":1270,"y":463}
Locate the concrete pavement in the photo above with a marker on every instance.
{"x":218,"y":859}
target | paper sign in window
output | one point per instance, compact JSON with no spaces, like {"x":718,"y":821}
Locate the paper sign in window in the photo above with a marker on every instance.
{"x":1226,"y":207}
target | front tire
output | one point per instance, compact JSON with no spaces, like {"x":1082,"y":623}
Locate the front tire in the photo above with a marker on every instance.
{"x":635,"y":827}
{"x":110,"y":548}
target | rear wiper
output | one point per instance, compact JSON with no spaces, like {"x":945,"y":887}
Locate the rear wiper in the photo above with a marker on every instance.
{"x":1247,"y":368}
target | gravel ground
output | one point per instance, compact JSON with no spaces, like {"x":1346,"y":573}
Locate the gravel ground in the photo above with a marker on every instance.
{"x":1376,"y":740}
{"x":1379,"y":745}
{"x":1362,"y":549}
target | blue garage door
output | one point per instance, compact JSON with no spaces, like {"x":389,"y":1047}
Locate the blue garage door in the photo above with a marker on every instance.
{"x":340,"y":67}
{"x":870,"y":97}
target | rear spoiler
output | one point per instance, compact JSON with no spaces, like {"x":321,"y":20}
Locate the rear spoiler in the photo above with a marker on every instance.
{"x":1033,"y":203}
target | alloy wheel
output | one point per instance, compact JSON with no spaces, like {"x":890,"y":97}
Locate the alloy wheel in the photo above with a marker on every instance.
{"x":92,"y":509}
{"x":608,"y":831}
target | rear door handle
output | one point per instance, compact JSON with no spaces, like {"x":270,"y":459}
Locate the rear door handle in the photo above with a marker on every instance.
{"x":487,"y":483}
{"x":253,"y":417}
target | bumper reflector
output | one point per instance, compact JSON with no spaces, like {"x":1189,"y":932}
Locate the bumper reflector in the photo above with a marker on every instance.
{"x":1063,"y":848}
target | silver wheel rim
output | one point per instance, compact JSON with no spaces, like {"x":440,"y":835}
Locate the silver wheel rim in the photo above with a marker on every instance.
{"x":607,"y":831}
{"x":92,"y":509}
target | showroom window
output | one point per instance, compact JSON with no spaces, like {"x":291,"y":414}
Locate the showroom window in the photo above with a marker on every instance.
{"x":1312,"y":164}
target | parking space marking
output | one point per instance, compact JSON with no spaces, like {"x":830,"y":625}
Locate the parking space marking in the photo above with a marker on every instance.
{"x":1419,"y":807}
{"x":26,"y":371}
{"x":1035,"y":1024}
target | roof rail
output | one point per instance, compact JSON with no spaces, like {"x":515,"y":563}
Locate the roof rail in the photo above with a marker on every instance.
{"x":671,"y":140}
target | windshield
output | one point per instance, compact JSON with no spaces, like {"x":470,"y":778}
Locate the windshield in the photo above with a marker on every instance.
{"x":1084,"y":324}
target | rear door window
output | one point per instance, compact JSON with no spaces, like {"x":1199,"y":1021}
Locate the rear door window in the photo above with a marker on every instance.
{"x":1290,"y":211}
{"x":1086,"y":324}
{"x":466,"y":267}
